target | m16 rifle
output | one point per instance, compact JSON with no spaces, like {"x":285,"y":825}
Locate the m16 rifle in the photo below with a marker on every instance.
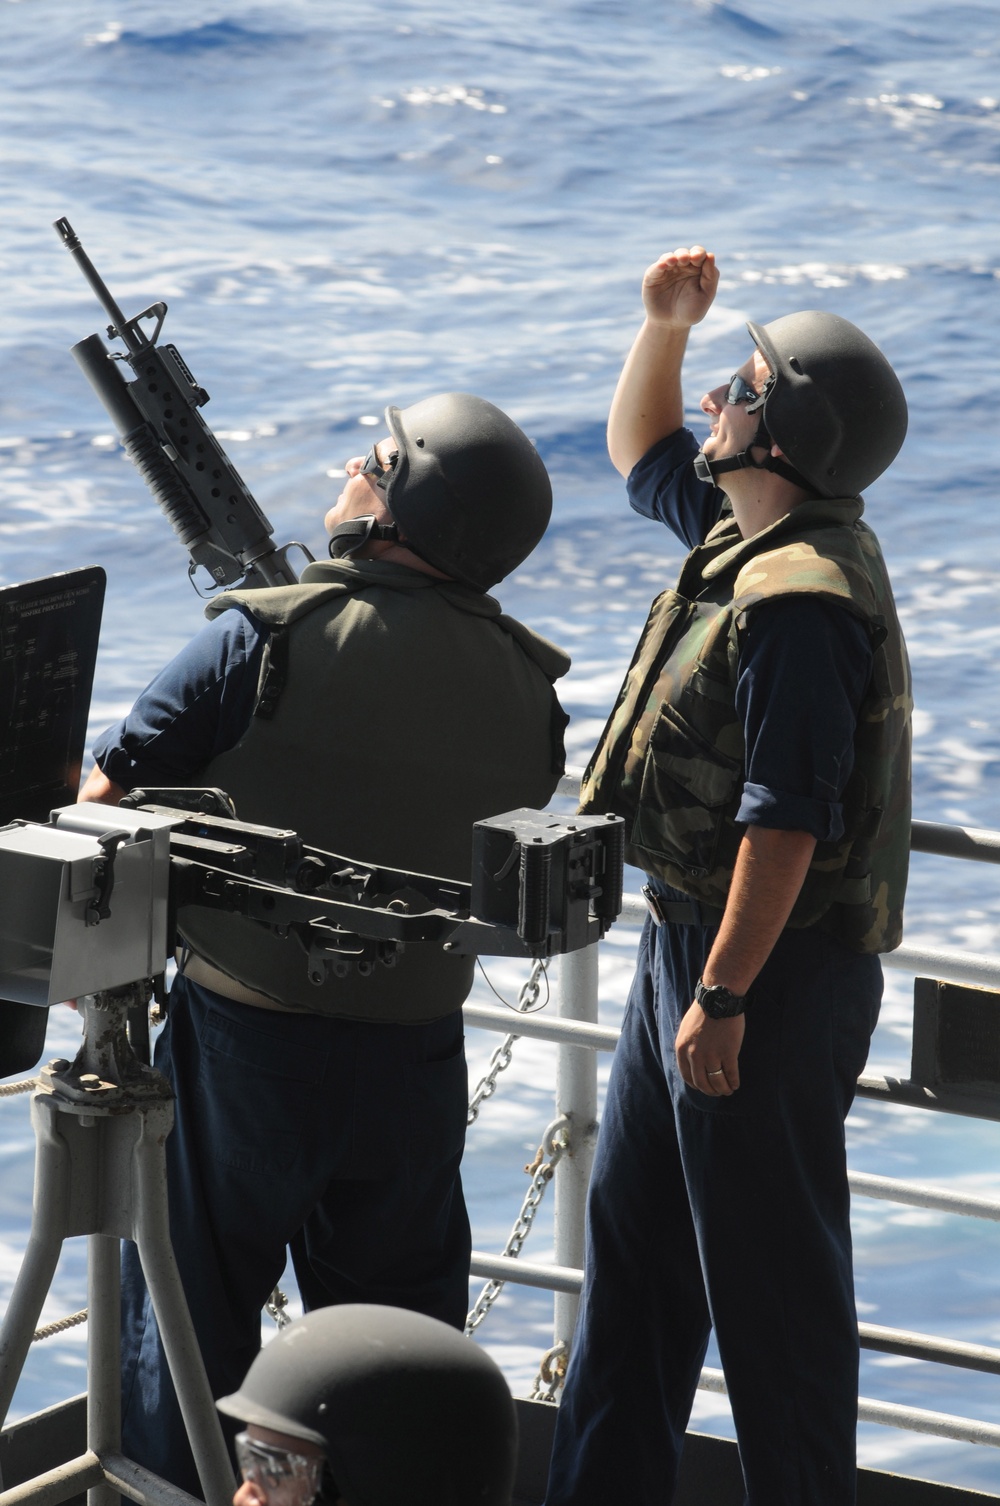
{"x":192,"y":478}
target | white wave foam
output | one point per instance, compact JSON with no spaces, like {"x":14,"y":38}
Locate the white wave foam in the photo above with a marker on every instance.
{"x":111,"y":33}
{"x":748,"y":74}
{"x":593,"y":687}
{"x":904,"y":109}
{"x":448,"y":95}
{"x":822,"y":274}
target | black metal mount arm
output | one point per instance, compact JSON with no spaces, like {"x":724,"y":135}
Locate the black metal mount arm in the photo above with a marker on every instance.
{"x":542,"y":885}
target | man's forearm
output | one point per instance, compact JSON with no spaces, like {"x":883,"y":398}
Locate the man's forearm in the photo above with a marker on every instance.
{"x":98,"y":787}
{"x":648,"y":403}
{"x":677,"y":291}
{"x":770,"y":869}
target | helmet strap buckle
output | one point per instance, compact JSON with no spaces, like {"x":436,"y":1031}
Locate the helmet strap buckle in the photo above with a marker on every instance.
{"x":351,"y":536}
{"x":708,"y":470}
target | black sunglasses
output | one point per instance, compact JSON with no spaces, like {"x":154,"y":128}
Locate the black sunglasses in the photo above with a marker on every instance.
{"x":372,"y":466}
{"x":740,"y":391}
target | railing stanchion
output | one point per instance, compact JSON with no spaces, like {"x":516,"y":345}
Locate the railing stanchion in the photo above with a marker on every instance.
{"x":576,"y":1101}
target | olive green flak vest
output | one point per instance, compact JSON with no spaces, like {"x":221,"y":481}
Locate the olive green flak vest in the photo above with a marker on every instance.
{"x":394,"y":710}
{"x":671,"y":758}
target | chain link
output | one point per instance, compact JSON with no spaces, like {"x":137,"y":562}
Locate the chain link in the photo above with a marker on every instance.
{"x":555,"y":1140}
{"x":551,"y":1373}
{"x":502,"y":1056}
{"x":276,"y":1307}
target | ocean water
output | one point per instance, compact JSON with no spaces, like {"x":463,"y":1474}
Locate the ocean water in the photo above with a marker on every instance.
{"x":352,"y":205}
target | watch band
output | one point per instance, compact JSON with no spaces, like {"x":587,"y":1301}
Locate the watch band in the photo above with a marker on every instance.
{"x":718,"y":1002}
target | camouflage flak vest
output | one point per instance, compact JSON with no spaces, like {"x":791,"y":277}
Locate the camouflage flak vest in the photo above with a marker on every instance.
{"x":671,"y":759}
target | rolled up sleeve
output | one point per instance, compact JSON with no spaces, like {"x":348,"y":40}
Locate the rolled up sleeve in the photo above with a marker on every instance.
{"x":803,"y":670}
{"x":662,"y":486}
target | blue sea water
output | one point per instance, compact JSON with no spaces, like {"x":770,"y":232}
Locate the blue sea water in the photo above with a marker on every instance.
{"x":355,"y":204}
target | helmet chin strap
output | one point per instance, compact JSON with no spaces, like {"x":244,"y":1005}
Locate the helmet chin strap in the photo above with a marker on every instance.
{"x":709,"y":470}
{"x":349,"y":537}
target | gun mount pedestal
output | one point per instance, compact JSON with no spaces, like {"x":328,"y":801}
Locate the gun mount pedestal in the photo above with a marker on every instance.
{"x":100,"y":1125}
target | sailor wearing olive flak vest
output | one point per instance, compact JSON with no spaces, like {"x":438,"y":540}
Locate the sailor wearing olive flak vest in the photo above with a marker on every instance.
{"x":759,"y":751}
{"x":379,"y":708}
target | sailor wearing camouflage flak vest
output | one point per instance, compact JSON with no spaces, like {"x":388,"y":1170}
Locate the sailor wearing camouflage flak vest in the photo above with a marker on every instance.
{"x":759,"y":751}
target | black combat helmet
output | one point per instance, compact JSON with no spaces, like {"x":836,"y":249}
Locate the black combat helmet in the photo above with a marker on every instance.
{"x":834,"y":405}
{"x":405,"y":1408}
{"x":469,"y":492}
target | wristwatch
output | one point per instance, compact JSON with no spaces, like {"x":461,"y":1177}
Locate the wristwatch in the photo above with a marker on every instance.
{"x":719,"y":1003}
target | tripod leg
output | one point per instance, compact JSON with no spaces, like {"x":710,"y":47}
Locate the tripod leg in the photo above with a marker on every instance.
{"x":21,"y":1320}
{"x":152,"y":1237}
{"x":48,"y":1230}
{"x":104,"y":1392}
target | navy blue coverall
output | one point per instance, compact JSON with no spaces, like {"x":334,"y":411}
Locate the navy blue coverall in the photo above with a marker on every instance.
{"x":732,"y":1213}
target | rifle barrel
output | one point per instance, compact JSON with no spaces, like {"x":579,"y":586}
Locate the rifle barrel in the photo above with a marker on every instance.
{"x":133,"y":338}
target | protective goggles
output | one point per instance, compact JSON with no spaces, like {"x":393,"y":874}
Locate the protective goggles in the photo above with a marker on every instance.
{"x":273,"y":1467}
{"x":372,"y":466}
{"x":740,"y":391}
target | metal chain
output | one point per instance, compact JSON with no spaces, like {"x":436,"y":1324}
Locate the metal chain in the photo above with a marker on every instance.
{"x":277,"y":1303}
{"x":555,"y":1140}
{"x":502,"y":1056}
{"x":276,"y":1307}
{"x":551,"y":1373}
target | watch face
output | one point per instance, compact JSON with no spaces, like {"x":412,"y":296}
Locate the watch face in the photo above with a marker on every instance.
{"x":719,"y":1002}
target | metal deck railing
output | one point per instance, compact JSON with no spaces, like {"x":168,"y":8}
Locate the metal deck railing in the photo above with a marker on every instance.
{"x":576,"y":1031}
